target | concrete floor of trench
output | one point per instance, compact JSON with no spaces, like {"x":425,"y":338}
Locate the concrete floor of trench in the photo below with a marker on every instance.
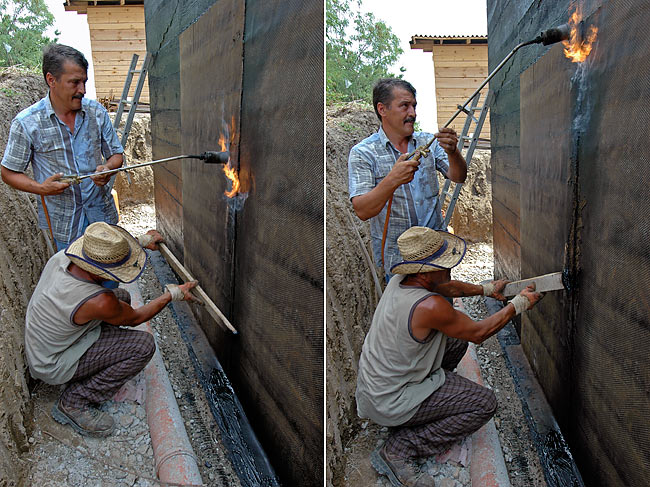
{"x":60,"y":457}
{"x":522,"y":462}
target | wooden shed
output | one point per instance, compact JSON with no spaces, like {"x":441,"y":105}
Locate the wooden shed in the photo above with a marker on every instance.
{"x":460,"y":64}
{"x":116,"y":33}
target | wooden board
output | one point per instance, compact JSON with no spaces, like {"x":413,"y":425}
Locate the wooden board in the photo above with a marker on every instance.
{"x":547,"y":282}
{"x":185,"y":275}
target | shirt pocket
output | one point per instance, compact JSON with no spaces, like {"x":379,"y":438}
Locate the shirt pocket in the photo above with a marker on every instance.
{"x":53,"y":151}
{"x":381,"y":172}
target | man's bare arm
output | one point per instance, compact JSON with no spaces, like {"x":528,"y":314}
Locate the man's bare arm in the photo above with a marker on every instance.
{"x":108,"y":308}
{"x":436,"y":313}
{"x":459,"y":289}
{"x":371,"y":203}
{"x":22,"y":182}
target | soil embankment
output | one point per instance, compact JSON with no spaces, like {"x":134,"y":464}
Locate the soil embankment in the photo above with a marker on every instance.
{"x":351,"y":291}
{"x":23,"y":253}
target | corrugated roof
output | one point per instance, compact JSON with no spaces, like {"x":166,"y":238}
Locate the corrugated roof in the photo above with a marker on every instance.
{"x":426,"y":43}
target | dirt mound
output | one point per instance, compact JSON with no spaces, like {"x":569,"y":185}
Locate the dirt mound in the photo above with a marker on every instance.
{"x":351,"y":288}
{"x":138,"y":150}
{"x":351,"y":296}
{"x":23,"y":253}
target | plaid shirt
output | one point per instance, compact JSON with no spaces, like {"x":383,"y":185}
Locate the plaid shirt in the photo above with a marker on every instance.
{"x":415,"y":203}
{"x":38,"y":136}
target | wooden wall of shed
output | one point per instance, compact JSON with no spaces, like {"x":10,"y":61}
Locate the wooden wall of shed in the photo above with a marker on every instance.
{"x":459,"y":70}
{"x":116,"y":33}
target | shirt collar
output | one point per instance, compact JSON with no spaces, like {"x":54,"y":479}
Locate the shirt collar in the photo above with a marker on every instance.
{"x":50,"y":109}
{"x":383,"y":138}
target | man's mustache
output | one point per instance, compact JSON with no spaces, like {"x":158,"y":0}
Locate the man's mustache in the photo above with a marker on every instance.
{"x":409,"y":120}
{"x":78,"y":96}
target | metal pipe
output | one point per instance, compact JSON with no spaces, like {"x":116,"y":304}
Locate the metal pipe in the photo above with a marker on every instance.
{"x":209,"y":157}
{"x":550,"y":36}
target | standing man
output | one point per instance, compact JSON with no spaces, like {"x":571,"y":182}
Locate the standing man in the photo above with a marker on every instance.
{"x":74,"y":331}
{"x":64,"y":133}
{"x":416,"y":340}
{"x":377,"y":169}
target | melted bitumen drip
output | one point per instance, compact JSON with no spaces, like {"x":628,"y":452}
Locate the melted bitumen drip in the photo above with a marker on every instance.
{"x":559,"y":462}
{"x":250,"y":464}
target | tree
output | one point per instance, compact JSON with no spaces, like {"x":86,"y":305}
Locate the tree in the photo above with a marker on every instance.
{"x":22,"y":27}
{"x":356,"y":57}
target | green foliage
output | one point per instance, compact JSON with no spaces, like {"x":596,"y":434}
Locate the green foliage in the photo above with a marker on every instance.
{"x":22,"y":24}
{"x":9,"y":92}
{"x":356,"y":56}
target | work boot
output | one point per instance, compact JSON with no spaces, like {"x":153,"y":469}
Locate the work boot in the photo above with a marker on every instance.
{"x":400,"y":471}
{"x":87,"y":421}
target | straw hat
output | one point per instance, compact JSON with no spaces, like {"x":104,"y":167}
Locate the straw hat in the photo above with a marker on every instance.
{"x":427,"y":250}
{"x":108,"y":251}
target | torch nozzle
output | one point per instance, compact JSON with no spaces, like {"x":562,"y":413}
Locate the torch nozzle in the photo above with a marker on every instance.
{"x":551,"y":36}
{"x":213,"y":157}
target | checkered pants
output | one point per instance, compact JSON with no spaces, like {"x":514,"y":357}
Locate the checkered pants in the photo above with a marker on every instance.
{"x":116,"y":357}
{"x":455,"y":410}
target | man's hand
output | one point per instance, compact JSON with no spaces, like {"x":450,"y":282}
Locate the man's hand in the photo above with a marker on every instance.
{"x":150,"y":240}
{"x":498,"y":287}
{"x":52,"y":185}
{"x":403,"y":171}
{"x":103,"y":179}
{"x":531,"y":295}
{"x":448,"y":140}
{"x":182,"y":292}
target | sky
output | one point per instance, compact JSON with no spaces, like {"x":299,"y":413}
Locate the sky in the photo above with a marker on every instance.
{"x":74,"y":33}
{"x":427,"y":18}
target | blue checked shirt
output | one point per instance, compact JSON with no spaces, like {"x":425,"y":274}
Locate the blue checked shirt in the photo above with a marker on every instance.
{"x":38,"y":136}
{"x":415,"y":203}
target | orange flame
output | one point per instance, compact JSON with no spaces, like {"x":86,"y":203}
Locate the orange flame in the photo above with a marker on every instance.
{"x":228,"y":170}
{"x":577,"y":48}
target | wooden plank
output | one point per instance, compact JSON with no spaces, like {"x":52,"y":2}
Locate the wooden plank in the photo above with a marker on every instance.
{"x":547,"y":282}
{"x":461,"y":72}
{"x":103,"y":12}
{"x":211,"y":308}
{"x":105,"y":25}
{"x":458,"y":82}
{"x":470,"y":53}
{"x":117,"y":34}
{"x":459,"y":63}
{"x":120,"y":46}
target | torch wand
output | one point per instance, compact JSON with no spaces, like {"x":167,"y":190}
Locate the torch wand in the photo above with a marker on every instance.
{"x":208,"y":157}
{"x":550,"y":36}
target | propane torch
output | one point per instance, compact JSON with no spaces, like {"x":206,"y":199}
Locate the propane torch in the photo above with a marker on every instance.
{"x":208,"y":157}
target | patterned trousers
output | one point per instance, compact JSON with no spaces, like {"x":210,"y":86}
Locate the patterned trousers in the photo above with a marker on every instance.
{"x":116,"y":357}
{"x":458,"y":408}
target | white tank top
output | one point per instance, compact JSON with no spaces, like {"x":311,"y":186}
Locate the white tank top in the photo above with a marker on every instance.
{"x":396,"y":371}
{"x":53,"y":342}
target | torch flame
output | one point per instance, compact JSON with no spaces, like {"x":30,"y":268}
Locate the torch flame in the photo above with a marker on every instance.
{"x":228,"y":170}
{"x":577,"y":48}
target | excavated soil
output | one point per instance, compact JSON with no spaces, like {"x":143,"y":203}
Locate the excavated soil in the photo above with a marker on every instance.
{"x":352,"y":297}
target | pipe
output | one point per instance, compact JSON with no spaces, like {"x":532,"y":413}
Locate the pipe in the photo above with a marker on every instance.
{"x":174,"y":457}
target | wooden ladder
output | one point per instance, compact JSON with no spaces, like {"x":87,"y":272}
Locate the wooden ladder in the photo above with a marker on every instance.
{"x":133,"y":102}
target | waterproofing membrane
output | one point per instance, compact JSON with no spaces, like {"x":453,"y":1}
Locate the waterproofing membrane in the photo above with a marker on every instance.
{"x":279,"y":278}
{"x":599,"y":380}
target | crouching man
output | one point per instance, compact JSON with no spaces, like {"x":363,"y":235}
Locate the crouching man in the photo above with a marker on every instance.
{"x":73,"y":331}
{"x":405,"y":379}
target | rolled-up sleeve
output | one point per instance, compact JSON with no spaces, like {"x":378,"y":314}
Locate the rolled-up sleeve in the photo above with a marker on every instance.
{"x":110,"y":142}
{"x":442,"y":160}
{"x":18,"y":152}
{"x":361,"y":178}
